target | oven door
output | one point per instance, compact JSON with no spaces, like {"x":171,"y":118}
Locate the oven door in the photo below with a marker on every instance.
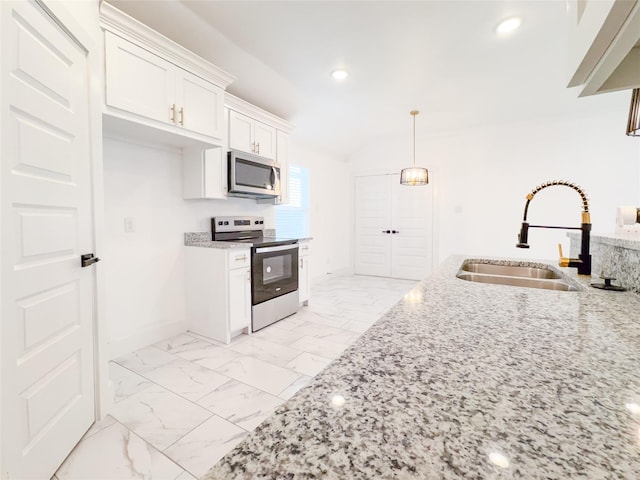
{"x":274,"y":272}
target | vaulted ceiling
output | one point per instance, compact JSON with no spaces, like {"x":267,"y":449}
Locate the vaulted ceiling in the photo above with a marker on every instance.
{"x":443,"y":58}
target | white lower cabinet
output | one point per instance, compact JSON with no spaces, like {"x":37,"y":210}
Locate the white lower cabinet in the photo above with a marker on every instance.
{"x":304,"y":290}
{"x":218,"y":292}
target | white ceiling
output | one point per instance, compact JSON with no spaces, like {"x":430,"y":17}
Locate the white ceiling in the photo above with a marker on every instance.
{"x":440,"y":57}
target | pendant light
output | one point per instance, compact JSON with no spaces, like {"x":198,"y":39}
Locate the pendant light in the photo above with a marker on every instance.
{"x":633,"y":127}
{"x":414,"y":176}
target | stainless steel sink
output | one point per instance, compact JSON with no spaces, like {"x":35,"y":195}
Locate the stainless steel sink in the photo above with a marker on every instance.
{"x":510,"y":270}
{"x":522,"y":274}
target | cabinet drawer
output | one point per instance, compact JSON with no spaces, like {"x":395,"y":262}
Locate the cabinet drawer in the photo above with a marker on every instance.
{"x":304,"y":249}
{"x":239,"y":259}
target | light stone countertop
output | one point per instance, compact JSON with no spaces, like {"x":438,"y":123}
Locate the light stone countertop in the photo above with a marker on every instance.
{"x":203,"y":240}
{"x":629,"y":241}
{"x":467,"y":380}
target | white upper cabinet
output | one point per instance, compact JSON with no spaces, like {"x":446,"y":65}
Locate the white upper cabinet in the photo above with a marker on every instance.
{"x":251,"y":136}
{"x":265,"y":140}
{"x":282,"y":140}
{"x":138,"y":81}
{"x":169,"y":93}
{"x":204,"y":173}
{"x":200,"y":105}
{"x":604,"y":45}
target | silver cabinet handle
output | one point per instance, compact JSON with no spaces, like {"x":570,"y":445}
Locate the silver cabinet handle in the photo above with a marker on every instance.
{"x":258,"y":144}
{"x":241,"y":257}
{"x":181,"y":112}
{"x":173,"y":113}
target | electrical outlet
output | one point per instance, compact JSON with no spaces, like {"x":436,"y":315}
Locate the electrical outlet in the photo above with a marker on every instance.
{"x":129,"y":225}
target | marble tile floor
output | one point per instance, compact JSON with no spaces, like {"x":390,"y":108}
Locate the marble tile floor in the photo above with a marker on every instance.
{"x":183,"y":403}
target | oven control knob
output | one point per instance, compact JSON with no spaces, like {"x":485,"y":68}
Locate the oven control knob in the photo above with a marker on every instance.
{"x":261,"y":222}
{"x":226,"y":223}
{"x":257,"y":222}
{"x":219,"y":223}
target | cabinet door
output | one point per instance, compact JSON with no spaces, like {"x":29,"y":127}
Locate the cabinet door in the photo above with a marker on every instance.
{"x":138,"y":81}
{"x":264,"y":137}
{"x":239,"y":299}
{"x":200,"y":105}
{"x":204,"y":173}
{"x":240,"y":132}
{"x":303,"y":280}
{"x":282,"y":157}
{"x":215,"y":173}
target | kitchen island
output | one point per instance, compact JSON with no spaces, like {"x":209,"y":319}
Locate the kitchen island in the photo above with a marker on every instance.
{"x":467,"y":380}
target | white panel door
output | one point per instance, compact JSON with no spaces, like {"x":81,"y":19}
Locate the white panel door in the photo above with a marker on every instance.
{"x":138,"y":81}
{"x":411,"y":244}
{"x":200,"y":105}
{"x":372,"y":221}
{"x":393,"y":228}
{"x":46,"y":334}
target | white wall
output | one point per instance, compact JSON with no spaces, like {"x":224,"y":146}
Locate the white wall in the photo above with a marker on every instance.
{"x":145,"y":269}
{"x":481,"y":177}
{"x":330,"y":214}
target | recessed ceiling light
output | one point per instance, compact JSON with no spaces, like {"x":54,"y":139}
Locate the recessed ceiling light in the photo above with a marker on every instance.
{"x":508,"y":25}
{"x":339,"y":74}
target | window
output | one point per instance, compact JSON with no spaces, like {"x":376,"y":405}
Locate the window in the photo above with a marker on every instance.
{"x":292,"y":220}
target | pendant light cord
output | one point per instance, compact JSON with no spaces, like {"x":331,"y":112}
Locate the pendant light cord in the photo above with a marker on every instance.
{"x":414,"y":113}
{"x":414,"y":140}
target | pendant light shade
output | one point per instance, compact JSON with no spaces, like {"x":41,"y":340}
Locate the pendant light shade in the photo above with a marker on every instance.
{"x":414,"y":176}
{"x":633,"y":127}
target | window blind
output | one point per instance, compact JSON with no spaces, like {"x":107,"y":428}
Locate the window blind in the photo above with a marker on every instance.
{"x":292,"y":220}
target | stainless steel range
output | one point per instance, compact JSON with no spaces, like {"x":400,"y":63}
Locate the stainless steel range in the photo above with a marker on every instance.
{"x":274,"y":268}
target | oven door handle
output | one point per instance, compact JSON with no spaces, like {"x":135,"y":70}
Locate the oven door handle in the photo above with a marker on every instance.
{"x":279,"y":248}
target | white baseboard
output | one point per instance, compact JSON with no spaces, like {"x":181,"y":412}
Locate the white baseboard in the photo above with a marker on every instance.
{"x":145,"y":337}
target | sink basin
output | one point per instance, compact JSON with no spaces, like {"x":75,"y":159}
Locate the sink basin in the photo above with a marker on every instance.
{"x":522,"y":274}
{"x":510,"y":270}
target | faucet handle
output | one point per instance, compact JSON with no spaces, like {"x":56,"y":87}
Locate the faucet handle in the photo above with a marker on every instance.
{"x":563,"y":261}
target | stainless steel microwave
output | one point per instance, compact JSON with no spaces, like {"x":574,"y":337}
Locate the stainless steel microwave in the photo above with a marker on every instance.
{"x":252,"y":176}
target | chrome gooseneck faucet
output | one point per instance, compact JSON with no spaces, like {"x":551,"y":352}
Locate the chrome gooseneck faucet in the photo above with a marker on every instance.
{"x":583,"y":262}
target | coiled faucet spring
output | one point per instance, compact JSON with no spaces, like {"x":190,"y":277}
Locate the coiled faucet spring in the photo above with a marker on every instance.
{"x":577,"y":188}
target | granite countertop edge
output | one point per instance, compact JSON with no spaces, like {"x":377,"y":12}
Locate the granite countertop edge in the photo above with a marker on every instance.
{"x":203,"y":240}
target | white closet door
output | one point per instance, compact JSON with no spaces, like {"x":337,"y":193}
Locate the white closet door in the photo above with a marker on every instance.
{"x":383,"y":205}
{"x":46,"y":333}
{"x":411,"y":246}
{"x":373,"y":219}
